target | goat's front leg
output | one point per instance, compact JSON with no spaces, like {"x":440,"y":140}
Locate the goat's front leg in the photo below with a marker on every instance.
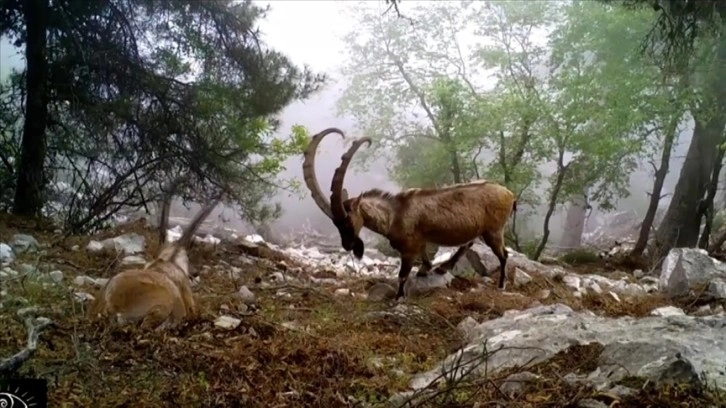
{"x":406,"y":265}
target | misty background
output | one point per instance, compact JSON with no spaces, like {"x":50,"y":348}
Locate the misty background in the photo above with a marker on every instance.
{"x":311,"y":33}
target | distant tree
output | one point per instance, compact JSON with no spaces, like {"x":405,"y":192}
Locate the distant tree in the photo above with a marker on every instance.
{"x":120,"y":93}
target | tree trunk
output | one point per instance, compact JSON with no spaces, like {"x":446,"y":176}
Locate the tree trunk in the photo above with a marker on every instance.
{"x":681,"y":224}
{"x":655,"y":195}
{"x":574,"y":223}
{"x":708,"y":203}
{"x":561,"y":170}
{"x":30,"y":182}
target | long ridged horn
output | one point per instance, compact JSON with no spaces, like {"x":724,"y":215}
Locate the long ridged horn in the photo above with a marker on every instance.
{"x":336,"y":187}
{"x":309,"y":176}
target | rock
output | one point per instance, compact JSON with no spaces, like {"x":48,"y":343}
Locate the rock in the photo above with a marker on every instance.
{"x":24,"y":242}
{"x":614,"y":227}
{"x":638,"y":273}
{"x":572,"y":282}
{"x":717,"y":289}
{"x":6,"y":254}
{"x":380,"y":292}
{"x":685,"y":267}
{"x":621,"y":390}
{"x":8,"y":272}
{"x":342,"y":292}
{"x":227,"y":322}
{"x":543,"y":294}
{"x":466,"y":328}
{"x":94,"y":246}
{"x":591,"y":403}
{"x":56,"y":276}
{"x":133,"y":260}
{"x":513,"y":385}
{"x":475,"y":262}
{"x":667,"y":311}
{"x":421,"y":285}
{"x":129,"y":244}
{"x":656,"y":348}
{"x":521,"y":277}
{"x":82,"y":280}
{"x":704,"y":310}
{"x":246,"y":294}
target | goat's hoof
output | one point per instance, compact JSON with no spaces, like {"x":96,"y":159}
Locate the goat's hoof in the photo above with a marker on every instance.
{"x":422,"y":274}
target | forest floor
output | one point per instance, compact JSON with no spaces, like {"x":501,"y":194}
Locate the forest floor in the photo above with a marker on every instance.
{"x":299,"y":345}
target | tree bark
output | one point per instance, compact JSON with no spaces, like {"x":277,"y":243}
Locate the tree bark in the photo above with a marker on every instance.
{"x":681,"y":224}
{"x":30,"y":181}
{"x":655,"y":195}
{"x":708,"y":204}
{"x":574,"y":223}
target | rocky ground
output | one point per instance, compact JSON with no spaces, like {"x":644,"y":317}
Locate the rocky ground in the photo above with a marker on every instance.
{"x":308,"y":326}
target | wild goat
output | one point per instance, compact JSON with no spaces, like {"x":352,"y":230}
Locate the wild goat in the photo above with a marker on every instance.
{"x":159,"y":294}
{"x":449,"y":216}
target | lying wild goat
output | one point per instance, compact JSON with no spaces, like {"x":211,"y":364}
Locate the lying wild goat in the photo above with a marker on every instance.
{"x":159,"y":294}
{"x":450,"y":216}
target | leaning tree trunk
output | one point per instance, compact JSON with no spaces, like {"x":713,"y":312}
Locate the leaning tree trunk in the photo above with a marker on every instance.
{"x":681,"y":224}
{"x":660,"y":174}
{"x":30,"y":181}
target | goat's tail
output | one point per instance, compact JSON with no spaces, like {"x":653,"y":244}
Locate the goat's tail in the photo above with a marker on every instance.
{"x":514,"y":208}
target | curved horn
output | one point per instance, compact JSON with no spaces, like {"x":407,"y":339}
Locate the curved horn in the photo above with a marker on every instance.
{"x":165,"y":209}
{"x":309,"y":176}
{"x":336,"y":187}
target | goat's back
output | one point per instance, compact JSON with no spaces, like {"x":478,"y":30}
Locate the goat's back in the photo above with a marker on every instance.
{"x":137,"y":294}
{"x":456,"y":215}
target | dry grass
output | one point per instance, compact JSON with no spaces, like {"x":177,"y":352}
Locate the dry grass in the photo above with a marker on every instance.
{"x":337,"y":346}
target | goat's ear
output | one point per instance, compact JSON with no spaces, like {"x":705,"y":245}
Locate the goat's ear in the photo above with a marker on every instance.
{"x":354,"y":204}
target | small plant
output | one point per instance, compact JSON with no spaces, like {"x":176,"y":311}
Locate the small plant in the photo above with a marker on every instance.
{"x":580,"y":256}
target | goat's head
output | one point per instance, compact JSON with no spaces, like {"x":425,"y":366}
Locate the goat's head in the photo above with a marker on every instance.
{"x":176,"y":252}
{"x":343,"y":211}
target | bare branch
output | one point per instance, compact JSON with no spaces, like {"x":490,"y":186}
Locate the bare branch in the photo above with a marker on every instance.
{"x":35,"y":326}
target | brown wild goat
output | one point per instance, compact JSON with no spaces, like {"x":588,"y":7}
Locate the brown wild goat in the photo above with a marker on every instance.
{"x":159,"y":294}
{"x":449,"y":216}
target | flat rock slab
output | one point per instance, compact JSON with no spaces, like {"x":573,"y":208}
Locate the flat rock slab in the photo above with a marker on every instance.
{"x":658,"y":348}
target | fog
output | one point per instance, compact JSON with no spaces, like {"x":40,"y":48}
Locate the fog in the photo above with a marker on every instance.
{"x":311,"y":33}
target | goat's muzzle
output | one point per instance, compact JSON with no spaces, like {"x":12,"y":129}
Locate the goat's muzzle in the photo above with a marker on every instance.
{"x":348,"y":238}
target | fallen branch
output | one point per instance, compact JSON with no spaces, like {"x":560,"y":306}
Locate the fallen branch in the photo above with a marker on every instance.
{"x":35,"y":326}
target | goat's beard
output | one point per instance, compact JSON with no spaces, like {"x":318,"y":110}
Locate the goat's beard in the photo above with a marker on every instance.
{"x":358,"y":248}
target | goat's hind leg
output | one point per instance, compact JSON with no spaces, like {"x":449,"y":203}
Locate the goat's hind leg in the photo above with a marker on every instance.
{"x":426,"y":264}
{"x":496,"y":243}
{"x":451,"y":262}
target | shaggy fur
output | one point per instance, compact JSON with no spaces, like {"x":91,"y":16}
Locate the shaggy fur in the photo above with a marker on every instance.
{"x":158,"y":295}
{"x":454,"y":215}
